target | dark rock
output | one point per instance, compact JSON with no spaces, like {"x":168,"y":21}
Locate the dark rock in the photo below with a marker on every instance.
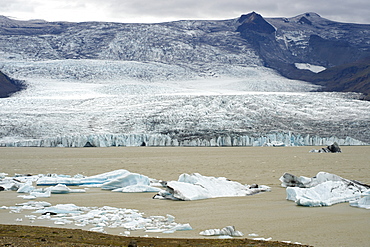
{"x":9,"y":86}
{"x":304,"y":20}
{"x":49,"y":213}
{"x":334,"y":148}
{"x":88,"y":144}
{"x":254,"y":22}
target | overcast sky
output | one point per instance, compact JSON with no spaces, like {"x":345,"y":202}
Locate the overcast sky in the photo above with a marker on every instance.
{"x":354,"y":11}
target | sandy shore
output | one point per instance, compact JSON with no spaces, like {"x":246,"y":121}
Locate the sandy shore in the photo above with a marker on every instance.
{"x":266,"y":214}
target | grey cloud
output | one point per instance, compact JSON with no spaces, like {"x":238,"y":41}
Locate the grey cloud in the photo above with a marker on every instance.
{"x":338,"y":10}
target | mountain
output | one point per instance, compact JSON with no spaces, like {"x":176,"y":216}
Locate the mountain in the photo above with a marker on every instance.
{"x":349,"y":77}
{"x":201,"y":47}
{"x":239,"y":82}
{"x":310,"y":39}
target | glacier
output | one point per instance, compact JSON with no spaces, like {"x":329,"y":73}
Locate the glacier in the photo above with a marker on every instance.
{"x":324,"y":189}
{"x":81,"y":103}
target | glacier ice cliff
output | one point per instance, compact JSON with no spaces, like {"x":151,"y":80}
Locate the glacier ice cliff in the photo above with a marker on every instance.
{"x":167,"y":140}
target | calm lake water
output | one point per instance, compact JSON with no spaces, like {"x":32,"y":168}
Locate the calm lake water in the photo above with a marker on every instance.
{"x":267,"y":214}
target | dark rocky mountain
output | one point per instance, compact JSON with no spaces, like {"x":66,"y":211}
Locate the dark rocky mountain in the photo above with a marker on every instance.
{"x":9,"y":86}
{"x":204,"y":46}
{"x":342,"y":48}
{"x":349,"y":77}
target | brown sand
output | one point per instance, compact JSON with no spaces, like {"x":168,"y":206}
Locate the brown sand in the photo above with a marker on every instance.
{"x":266,"y":214}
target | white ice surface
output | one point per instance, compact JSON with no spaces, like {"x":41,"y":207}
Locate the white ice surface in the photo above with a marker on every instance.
{"x":226,"y":231}
{"x":100,"y":219}
{"x":194,"y":186}
{"x":307,"y":66}
{"x":363,"y":202}
{"x":73,"y":99}
{"x":118,"y":181}
{"x":325,"y":189}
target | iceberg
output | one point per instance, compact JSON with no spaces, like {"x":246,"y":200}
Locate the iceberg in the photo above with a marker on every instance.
{"x":363,"y":202}
{"x":26,"y":187}
{"x":194,"y":186}
{"x":37,"y":194}
{"x":226,"y":231}
{"x":139,"y":188}
{"x":325,"y":189}
{"x":63,"y":189}
{"x":128,"y":179}
{"x":54,"y":179}
{"x":118,"y":180}
{"x":333,"y":148}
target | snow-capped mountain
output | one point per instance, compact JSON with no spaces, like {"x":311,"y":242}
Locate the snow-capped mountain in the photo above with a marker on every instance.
{"x":180,"y":83}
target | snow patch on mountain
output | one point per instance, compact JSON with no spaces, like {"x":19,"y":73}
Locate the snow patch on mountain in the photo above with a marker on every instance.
{"x":307,"y":66}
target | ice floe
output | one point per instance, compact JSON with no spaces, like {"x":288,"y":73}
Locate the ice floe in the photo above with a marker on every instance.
{"x":325,"y":189}
{"x":194,"y":186}
{"x":99,"y":219}
{"x":226,"y":231}
{"x":364,"y":202}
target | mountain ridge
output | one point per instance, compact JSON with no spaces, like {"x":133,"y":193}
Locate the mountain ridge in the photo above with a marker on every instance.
{"x":201,"y":46}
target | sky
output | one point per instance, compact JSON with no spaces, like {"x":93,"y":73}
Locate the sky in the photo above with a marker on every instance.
{"x":154,"y":11}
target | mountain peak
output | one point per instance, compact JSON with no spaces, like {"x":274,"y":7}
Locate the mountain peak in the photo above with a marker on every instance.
{"x":254,"y":22}
{"x":307,"y":18}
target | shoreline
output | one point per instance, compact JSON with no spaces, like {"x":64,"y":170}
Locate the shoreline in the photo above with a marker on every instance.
{"x":17,"y":235}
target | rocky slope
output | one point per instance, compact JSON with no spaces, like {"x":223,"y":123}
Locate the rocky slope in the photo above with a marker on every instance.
{"x":9,"y":86}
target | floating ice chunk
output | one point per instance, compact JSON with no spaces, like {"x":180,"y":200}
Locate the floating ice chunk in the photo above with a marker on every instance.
{"x":101,"y":218}
{"x":228,"y":231}
{"x":179,"y":227}
{"x":363,"y":202}
{"x":196,"y":187}
{"x":36,"y":194}
{"x":325,"y":189}
{"x":9,"y":184}
{"x":137,"y":188}
{"x":80,"y":180}
{"x":324,"y":194}
{"x":63,"y":189}
{"x":34,"y":205}
{"x":45,"y":194}
{"x":26,"y":187}
{"x":262,"y":239}
{"x":61,"y":209}
{"x":289,"y":180}
{"x":125,"y":180}
{"x":97,"y":229}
